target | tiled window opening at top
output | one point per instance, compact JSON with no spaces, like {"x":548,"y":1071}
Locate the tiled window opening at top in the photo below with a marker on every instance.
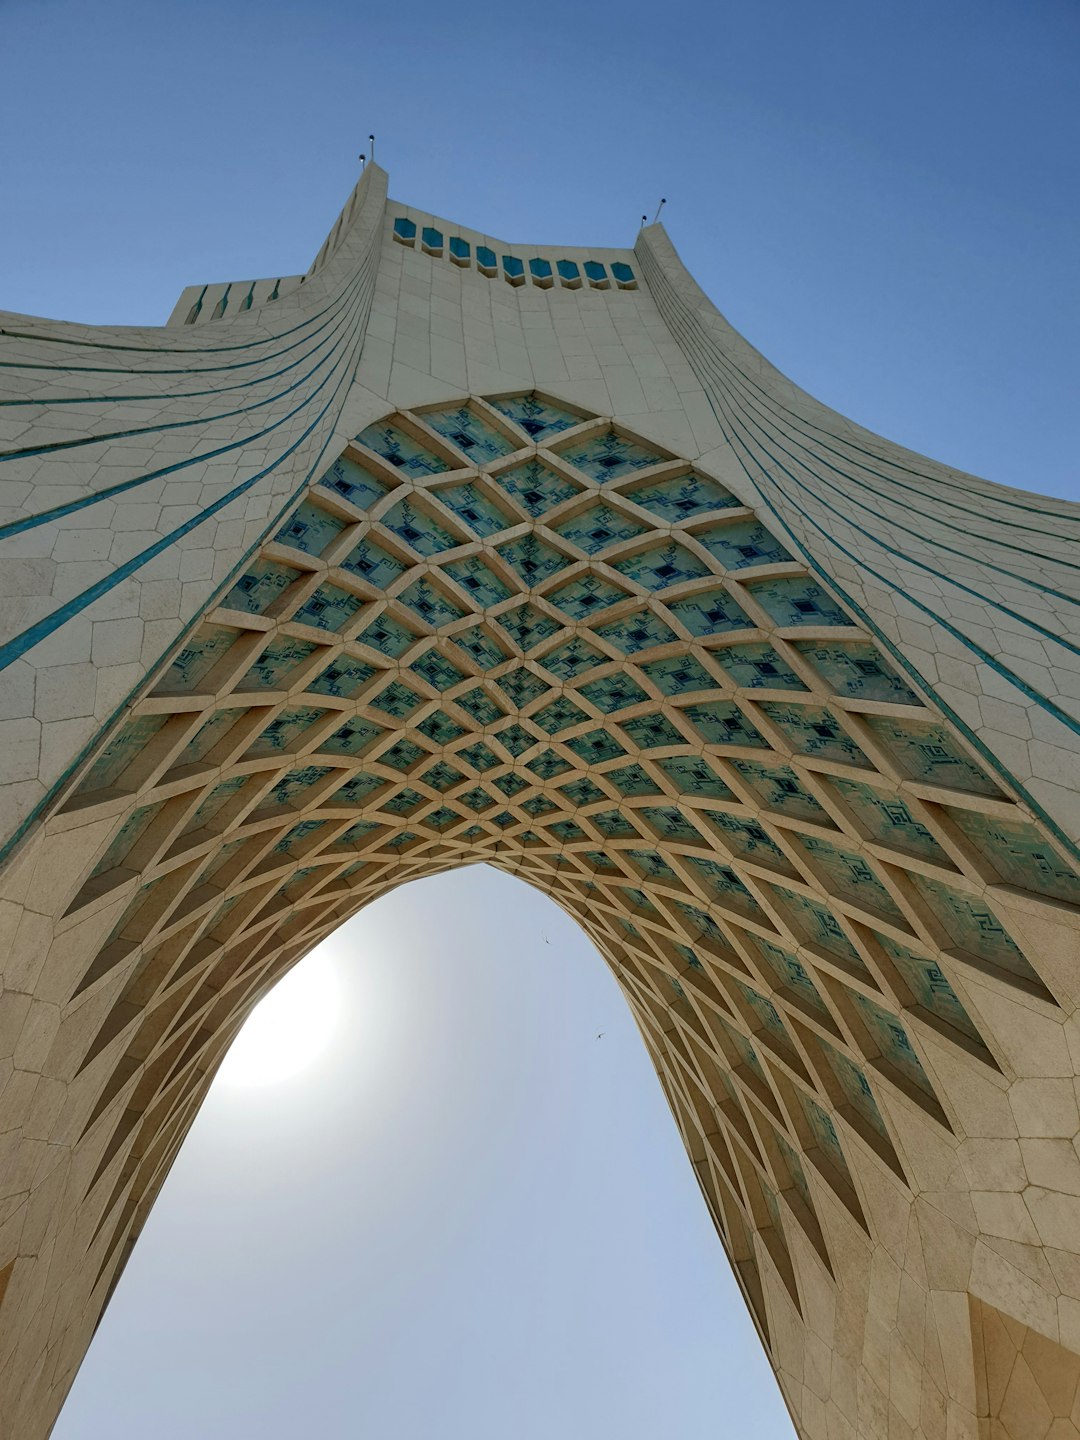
{"x":514,"y":270}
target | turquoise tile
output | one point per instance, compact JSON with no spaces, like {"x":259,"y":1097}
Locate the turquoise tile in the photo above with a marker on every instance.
{"x":639,"y":631}
{"x":354,"y":483}
{"x":432,"y":606}
{"x":480,"y":646}
{"x":574,"y":658}
{"x":824,"y":1132}
{"x":974,"y":927}
{"x":608,"y":456}
{"x":741,"y":543}
{"x":813,"y":730}
{"x":892,"y":1041}
{"x":548,"y":764}
{"x":815,"y":924}
{"x":532,"y":560}
{"x":632,"y":780}
{"x":559,"y":716}
{"x":352,"y":737}
{"x":693,"y":776}
{"x":442,"y":776}
{"x":596,"y":746}
{"x":614,"y":825}
{"x":472,"y":506}
{"x":779,"y":788}
{"x":750,"y":840}
{"x":928,"y":752}
{"x":613,"y":692}
{"x":128,"y":744}
{"x":586,"y":596}
{"x":790,"y":974}
{"x":397,"y":700}
{"x":710,"y":612}
{"x":260,"y":587}
{"x":797,"y":601}
{"x":721,"y":722}
{"x":516,"y":739}
{"x":401,"y":450}
{"x":343,"y":677}
{"x":281,"y":658}
{"x":850,"y":876}
{"x":854,"y":1087}
{"x":440,"y":729}
{"x":205,"y":739}
{"x":329,"y":608}
{"x":527,"y":626}
{"x":930,"y":987}
{"x":387,"y":636}
{"x":652,"y":731}
{"x":678,"y":674}
{"x":661,"y":566}
{"x":478,"y":581}
{"x":536,"y":487}
{"x":479,"y":704}
{"x":522,"y":686}
{"x":538,"y":418}
{"x":682,"y":498}
{"x":885,"y":817}
{"x":598,"y":527}
{"x":418,"y":529}
{"x":439,"y":672}
{"x":479,"y":756}
{"x":287,"y":731}
{"x":201,"y":652}
{"x":373,"y":564}
{"x":1020,"y":855}
{"x":852,"y":667}
{"x":310,"y":529}
{"x":358,"y":789}
{"x":756,"y":666}
{"x":478,"y":441}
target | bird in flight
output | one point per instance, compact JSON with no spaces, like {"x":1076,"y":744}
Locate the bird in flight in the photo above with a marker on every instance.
{"x":601,"y":1035}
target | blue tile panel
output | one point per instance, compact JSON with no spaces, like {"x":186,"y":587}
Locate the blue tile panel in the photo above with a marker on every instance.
{"x":476,"y":439}
{"x":401,"y":450}
{"x":608,"y":456}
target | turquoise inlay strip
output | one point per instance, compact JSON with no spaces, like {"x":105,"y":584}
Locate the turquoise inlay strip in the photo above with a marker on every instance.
{"x":31,"y":522}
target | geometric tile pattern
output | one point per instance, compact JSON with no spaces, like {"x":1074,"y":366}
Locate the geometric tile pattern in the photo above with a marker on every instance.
{"x":778,"y":847}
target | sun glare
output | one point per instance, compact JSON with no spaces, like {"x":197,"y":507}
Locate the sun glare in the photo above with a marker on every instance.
{"x":289,"y":1029}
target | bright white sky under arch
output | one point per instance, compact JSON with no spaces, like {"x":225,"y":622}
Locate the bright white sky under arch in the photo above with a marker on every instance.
{"x":471,"y":1220}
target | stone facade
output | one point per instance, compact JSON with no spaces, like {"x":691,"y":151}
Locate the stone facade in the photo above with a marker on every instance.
{"x":452,"y":552}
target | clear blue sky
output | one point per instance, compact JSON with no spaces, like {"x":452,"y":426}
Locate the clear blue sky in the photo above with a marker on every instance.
{"x":473,"y":1220}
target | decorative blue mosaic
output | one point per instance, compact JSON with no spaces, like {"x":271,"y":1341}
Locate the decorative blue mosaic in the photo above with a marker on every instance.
{"x":596,"y":747}
{"x":817,"y":925}
{"x":582,"y":792}
{"x":220,"y":796}
{"x":477,"y":799}
{"x":533,"y":561}
{"x":440,"y":729}
{"x":850,"y":876}
{"x":609,"y":456}
{"x":824,"y":1132}
{"x":740,"y":543}
{"x":480,"y":647}
{"x":928,"y":752}
{"x":418,"y":529}
{"x":479,"y":704}
{"x":723,"y":723}
{"x":574,"y":658}
{"x":442,"y":776}
{"x":479,"y":582}
{"x":539,"y":805}
{"x":633,"y":780}
{"x":678,"y":674}
{"x":540,"y":419}
{"x":478,"y":441}
{"x":751,"y":840}
{"x":854,"y":1087}
{"x":293,"y":843}
{"x":401,"y":450}
{"x":929,"y":987}
{"x":480,"y":757}
{"x":353,"y":737}
{"x":852,"y":667}
{"x":528,"y":626}
{"x":548,"y":764}
{"x":373,"y":564}
{"x":516,"y":739}
{"x":200,"y":654}
{"x":694,"y":776}
{"x":813,"y":730}
{"x":1020,"y":855}
{"x":700,"y":924}
{"x":536,"y":487}
{"x":682,"y":498}
{"x":887,"y":818}
{"x":640,"y":631}
{"x":354,"y":483}
{"x":781,"y":789}
{"x":203,"y":741}
{"x":404,"y":802}
{"x":433,"y":607}
{"x":974,"y":927}
{"x":756,"y":666}
{"x":328,"y":608}
{"x":470,"y":504}
{"x":596,"y":528}
{"x":710,"y":612}
{"x":586,"y":596}
{"x":355,"y":835}
{"x":343,"y":677}
{"x":511,"y":785}
{"x":746,"y":1053}
{"x":260,"y":587}
{"x":655,"y":867}
{"x":397,"y":700}
{"x":287,"y":731}
{"x":613,"y":692}
{"x":892,"y":1041}
{"x":661,"y":566}
{"x":651,"y":732}
{"x":295,"y":784}
{"x":795,"y":1170}
{"x":559,"y":715}
{"x":765,"y":1014}
{"x":791,"y":975}
{"x":614,"y":825}
{"x":725,"y":884}
{"x":670,"y":822}
{"x":797,"y":601}
{"x":439,"y":672}
{"x":358,"y":789}
{"x":566,"y":830}
{"x":522,"y":686}
{"x":281,"y":658}
{"x":387,"y":636}
{"x":310,"y":529}
{"x":126,"y":838}
{"x":403,"y":756}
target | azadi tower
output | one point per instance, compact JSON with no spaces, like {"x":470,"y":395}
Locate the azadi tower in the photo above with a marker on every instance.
{"x":452,"y":551}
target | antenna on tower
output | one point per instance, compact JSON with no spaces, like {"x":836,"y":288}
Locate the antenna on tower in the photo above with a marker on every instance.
{"x":362,"y":159}
{"x":658,"y":209}
{"x":371,"y":142}
{"x":644,"y":218}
